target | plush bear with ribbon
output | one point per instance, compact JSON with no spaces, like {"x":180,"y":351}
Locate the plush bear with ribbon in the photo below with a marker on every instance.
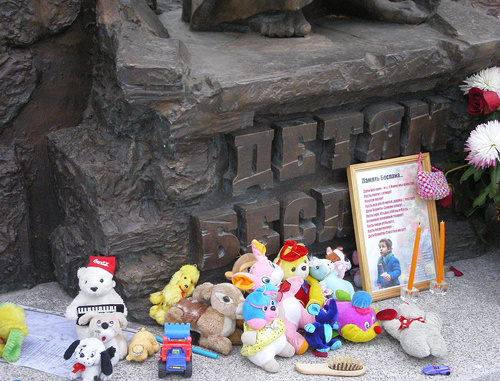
{"x":180,"y":286}
{"x":294,"y":261}
{"x":264,"y":335}
{"x":418,"y":332}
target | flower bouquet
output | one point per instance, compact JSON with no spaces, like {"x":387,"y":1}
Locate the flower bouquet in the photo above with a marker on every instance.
{"x":479,"y":178}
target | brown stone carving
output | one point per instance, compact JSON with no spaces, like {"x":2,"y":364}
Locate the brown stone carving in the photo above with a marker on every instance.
{"x":297,"y":211}
{"x":434,"y":132}
{"x":256,"y":221}
{"x":333,"y":217}
{"x":335,"y":131}
{"x":215,"y":245}
{"x":284,"y":18}
{"x":291,"y":158}
{"x":249,"y":160}
{"x":380,"y":139}
{"x":424,"y":125}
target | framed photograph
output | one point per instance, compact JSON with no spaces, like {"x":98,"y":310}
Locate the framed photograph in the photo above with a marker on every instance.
{"x":386,"y":212}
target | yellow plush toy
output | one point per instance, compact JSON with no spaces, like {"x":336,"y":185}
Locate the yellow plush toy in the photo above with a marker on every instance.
{"x":13,"y":330}
{"x":142,"y":345}
{"x":180,"y":286}
{"x":293,"y":259}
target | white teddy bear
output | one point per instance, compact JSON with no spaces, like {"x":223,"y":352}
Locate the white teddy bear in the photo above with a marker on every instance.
{"x":96,"y":294}
{"x":418,"y":332}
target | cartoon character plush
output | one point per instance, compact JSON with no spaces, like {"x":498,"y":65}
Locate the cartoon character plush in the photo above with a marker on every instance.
{"x":13,"y":330}
{"x":325,"y":272}
{"x":97,"y":293}
{"x":418,"y":332}
{"x":107,"y":327}
{"x":341,"y":262}
{"x":141,"y":346}
{"x":357,"y":321}
{"x":212,"y":311}
{"x":181,"y":285}
{"x":263,"y":271}
{"x":293,"y":259}
{"x":264,"y":335}
{"x":321,"y":335}
{"x":93,"y":360}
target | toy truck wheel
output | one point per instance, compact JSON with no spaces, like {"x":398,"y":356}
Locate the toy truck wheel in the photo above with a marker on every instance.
{"x":189,"y":369}
{"x":162,"y":369}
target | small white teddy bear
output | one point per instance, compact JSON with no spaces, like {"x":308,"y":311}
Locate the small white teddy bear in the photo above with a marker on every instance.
{"x":418,"y":332}
{"x":97,"y":294}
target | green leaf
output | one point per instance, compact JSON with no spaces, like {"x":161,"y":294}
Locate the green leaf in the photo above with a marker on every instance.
{"x":470,"y":171}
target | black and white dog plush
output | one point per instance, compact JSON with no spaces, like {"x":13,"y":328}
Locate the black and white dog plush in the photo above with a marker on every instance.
{"x":93,"y":360}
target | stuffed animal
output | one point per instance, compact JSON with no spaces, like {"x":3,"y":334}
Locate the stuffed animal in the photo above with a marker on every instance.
{"x":325,"y":272}
{"x":141,"y":346}
{"x":263,"y":271}
{"x":212,"y":311}
{"x":321,"y":335}
{"x":13,"y":330}
{"x":264,"y":335}
{"x":341,"y":262}
{"x":293,"y":259}
{"x":418,"y":332}
{"x":181,"y":285}
{"x":357,"y":321}
{"x":107,"y":327}
{"x":93,"y":360}
{"x":96,"y":294}
{"x":355,"y":271}
{"x":243,"y":264}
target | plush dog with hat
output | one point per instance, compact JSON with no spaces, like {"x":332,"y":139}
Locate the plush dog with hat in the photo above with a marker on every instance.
{"x":97,"y":293}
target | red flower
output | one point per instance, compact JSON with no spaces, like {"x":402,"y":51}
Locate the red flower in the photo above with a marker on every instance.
{"x":482,"y":102}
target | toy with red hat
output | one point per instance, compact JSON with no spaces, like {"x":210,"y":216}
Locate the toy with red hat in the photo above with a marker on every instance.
{"x":97,"y":293}
{"x":294,"y":261}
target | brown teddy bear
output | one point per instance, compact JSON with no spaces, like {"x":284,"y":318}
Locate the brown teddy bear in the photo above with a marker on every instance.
{"x":141,"y":346}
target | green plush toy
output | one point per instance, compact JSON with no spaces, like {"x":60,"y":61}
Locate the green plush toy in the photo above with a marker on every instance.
{"x":13,"y":330}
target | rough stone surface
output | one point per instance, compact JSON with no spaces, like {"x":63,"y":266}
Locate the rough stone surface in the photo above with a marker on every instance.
{"x":17,"y":81}
{"x":14,"y":241}
{"x":22,"y":22}
{"x":44,"y":87}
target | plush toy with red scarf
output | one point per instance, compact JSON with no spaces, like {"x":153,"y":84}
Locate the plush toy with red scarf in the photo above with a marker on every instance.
{"x":92,"y":360}
{"x":181,"y":286}
{"x":418,"y":332}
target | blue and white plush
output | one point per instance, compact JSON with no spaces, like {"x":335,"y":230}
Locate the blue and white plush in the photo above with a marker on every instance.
{"x":324,"y":271}
{"x":264,"y":335}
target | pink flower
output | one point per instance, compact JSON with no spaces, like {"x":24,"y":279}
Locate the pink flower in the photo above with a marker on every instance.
{"x":483,"y":145}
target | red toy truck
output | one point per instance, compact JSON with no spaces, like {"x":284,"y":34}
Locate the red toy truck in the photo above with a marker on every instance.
{"x":176,"y":351}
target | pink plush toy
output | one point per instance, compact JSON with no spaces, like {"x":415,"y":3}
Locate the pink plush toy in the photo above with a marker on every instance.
{"x":357,"y":321}
{"x":264,"y":272}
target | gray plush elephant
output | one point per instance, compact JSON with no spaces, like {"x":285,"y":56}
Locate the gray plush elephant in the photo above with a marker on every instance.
{"x":418,"y":332}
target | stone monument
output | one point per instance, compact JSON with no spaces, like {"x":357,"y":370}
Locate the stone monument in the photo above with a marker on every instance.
{"x":169,"y":145}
